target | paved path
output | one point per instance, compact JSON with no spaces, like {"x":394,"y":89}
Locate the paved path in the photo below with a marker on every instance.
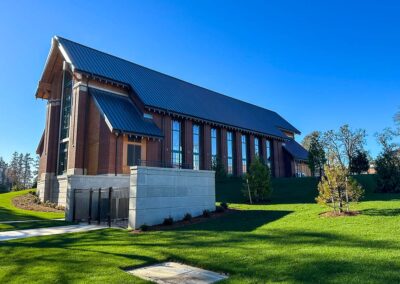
{"x":20,"y":234}
{"x":29,"y":221}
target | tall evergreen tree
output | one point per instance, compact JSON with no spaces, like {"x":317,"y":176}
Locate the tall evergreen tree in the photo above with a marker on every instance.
{"x":13,"y":169}
{"x":27,"y":171}
{"x":316,"y":153}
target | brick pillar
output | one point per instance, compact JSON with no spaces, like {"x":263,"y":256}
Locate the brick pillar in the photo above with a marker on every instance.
{"x":223,"y":148}
{"x":104,"y":148}
{"x":263,"y":149}
{"x":251,"y":150}
{"x":188,"y":143}
{"x":238,"y":153}
{"x":278,"y":159}
{"x":115,"y":154}
{"x":206,"y":147}
{"x":48,"y":159}
{"x":77,"y":134}
{"x":51,"y":136}
{"x":166,"y":151}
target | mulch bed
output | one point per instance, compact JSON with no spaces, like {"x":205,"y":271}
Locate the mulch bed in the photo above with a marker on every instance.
{"x":27,"y":202}
{"x":339,"y":214}
{"x":182,"y":223}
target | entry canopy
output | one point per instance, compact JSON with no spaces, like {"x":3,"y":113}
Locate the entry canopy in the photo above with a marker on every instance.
{"x":122,"y":116}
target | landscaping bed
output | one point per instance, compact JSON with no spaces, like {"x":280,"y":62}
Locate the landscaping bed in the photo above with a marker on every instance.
{"x":30,"y":202}
{"x":183,"y":223}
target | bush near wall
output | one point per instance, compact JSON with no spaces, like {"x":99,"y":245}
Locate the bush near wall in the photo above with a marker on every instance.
{"x":284,"y":190}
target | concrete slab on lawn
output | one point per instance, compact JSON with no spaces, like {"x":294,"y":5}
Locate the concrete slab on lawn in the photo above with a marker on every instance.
{"x":172,"y":272}
{"x":20,"y":234}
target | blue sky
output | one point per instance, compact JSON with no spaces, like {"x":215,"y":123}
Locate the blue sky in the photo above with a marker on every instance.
{"x":319,"y":64}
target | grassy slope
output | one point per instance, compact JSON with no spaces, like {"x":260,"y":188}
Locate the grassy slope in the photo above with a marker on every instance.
{"x":8,"y":212}
{"x":280,"y":242}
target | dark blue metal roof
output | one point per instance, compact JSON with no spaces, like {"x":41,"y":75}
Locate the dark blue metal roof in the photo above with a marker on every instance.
{"x":123,"y":115}
{"x":296,"y":150}
{"x":164,"y":92}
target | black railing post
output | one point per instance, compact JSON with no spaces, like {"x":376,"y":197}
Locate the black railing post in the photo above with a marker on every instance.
{"x":99,"y":207}
{"x":109,"y":205}
{"x":74,"y":205}
{"x":90,"y":206}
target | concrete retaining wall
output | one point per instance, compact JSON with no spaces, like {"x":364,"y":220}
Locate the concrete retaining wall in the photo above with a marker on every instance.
{"x":159,"y":193}
{"x":65,"y":191}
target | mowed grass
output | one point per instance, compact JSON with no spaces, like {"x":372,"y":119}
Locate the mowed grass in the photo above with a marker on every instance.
{"x":8,"y":212}
{"x":286,"y":241}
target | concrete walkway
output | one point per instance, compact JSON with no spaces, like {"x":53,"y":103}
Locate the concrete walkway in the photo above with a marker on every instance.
{"x":29,"y":221}
{"x":20,"y":234}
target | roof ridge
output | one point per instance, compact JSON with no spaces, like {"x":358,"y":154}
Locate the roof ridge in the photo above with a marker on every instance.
{"x":161,"y":73}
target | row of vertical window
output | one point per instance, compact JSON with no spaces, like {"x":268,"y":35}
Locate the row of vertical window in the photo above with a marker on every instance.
{"x":177,"y":148}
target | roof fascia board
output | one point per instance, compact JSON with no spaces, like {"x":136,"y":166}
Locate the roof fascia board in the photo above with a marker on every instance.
{"x":219,"y":124}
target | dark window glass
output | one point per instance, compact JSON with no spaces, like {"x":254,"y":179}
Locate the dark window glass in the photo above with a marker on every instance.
{"x":66,"y":105}
{"x":213,"y":146}
{"x":256,"y":147}
{"x":269,"y":152}
{"x":64,"y":123}
{"x":134,"y":155}
{"x":196,"y":147}
{"x":244,"y":154}
{"x":229,"y":139}
{"x":176,"y":144}
{"x":63,"y":158}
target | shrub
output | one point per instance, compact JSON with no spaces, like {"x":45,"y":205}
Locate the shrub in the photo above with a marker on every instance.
{"x":257,"y":181}
{"x":144,"y":227}
{"x":224,"y":205}
{"x":206,"y":213}
{"x":219,"y":209}
{"x":168,"y":221}
{"x":220,"y":171}
{"x":187,"y":217}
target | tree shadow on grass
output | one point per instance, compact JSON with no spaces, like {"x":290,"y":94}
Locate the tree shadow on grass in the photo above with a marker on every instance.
{"x":239,"y":221}
{"x":381,"y":212}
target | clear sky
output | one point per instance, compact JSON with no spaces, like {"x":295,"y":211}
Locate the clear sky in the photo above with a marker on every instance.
{"x":319,"y":64}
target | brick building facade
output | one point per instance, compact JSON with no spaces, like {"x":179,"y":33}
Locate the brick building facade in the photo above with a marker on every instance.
{"x":105,"y":114}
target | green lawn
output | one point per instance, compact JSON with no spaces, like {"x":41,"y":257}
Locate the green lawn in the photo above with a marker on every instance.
{"x":8,"y":212}
{"x":286,"y":241}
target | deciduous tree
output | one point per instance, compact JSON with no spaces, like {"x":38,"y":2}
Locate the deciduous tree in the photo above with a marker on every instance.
{"x":343,"y":144}
{"x":337,"y":189}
